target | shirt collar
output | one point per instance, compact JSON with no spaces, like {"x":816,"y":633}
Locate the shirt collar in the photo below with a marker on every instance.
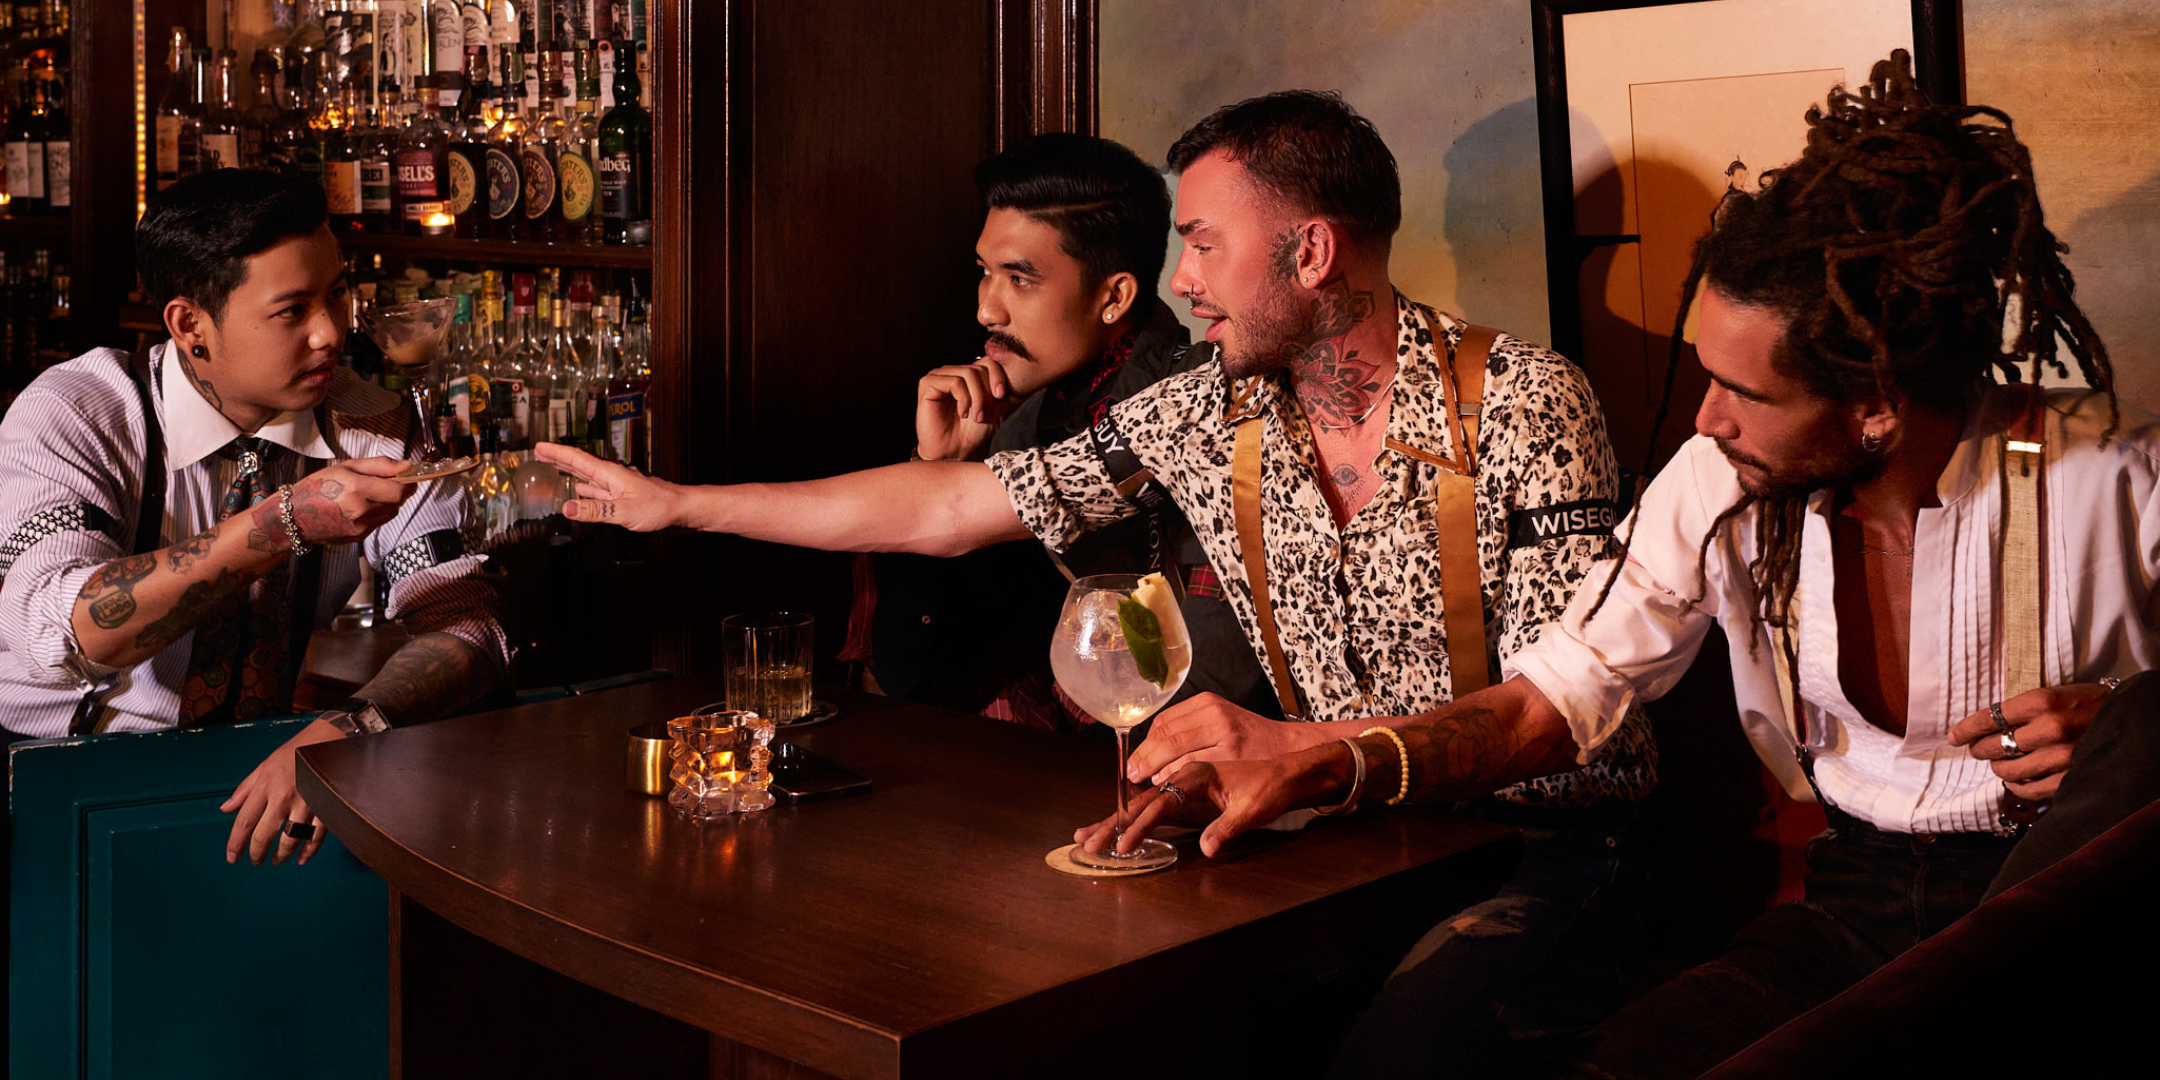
{"x":194,"y":429}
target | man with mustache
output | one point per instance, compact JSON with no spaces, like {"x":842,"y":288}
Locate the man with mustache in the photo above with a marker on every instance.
{"x":1937,"y":584}
{"x":177,"y":522}
{"x":1071,"y":246}
{"x":1342,"y":409}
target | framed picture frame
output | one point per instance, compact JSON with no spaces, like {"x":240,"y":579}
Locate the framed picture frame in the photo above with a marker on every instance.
{"x":1648,"y":110}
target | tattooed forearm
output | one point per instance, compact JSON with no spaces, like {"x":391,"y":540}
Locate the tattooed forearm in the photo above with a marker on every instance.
{"x":433,"y":674}
{"x":184,"y":554}
{"x":1464,"y":752}
{"x":110,"y":589}
{"x":194,"y":604}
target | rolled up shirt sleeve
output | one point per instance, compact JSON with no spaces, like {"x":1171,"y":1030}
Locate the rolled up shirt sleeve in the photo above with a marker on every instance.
{"x":436,"y":584}
{"x":68,"y":493}
{"x":1061,"y":492}
{"x":1595,"y":668}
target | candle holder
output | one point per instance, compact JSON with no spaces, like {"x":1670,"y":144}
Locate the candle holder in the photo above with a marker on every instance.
{"x":721,"y":763}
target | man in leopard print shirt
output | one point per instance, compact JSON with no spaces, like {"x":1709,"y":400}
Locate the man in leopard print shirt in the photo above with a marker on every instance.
{"x":1288,"y":205}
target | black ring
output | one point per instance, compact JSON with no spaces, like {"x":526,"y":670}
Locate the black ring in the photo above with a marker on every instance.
{"x":300,"y":830}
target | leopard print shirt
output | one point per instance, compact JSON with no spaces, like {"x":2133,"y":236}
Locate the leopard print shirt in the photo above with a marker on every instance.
{"x":1359,"y":609}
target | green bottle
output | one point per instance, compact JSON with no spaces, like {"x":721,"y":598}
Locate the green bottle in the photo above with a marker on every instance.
{"x":626,"y":162}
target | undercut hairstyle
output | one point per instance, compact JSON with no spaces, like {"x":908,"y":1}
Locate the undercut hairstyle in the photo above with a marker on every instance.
{"x":1111,"y":210}
{"x":1310,"y":149}
{"x":1907,"y":254}
{"x":197,"y":235}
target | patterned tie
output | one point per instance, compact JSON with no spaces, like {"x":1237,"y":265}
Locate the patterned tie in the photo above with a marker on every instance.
{"x":237,"y":670}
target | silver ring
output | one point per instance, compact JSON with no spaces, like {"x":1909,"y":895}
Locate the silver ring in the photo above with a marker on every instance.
{"x":2110,"y":682}
{"x":2002,"y":723}
{"x":2009,"y":744}
{"x":1174,"y":792}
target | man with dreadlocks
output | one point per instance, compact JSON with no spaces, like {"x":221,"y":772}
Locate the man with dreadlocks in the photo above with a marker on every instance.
{"x":1932,"y":580}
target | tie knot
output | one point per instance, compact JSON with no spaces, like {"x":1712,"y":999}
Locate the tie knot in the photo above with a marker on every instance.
{"x":249,"y":452}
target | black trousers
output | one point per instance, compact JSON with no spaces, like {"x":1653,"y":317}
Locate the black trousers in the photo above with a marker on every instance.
{"x":1871,"y":895}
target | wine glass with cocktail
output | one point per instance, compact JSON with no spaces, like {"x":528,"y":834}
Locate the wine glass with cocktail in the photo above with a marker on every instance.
{"x":1120,"y":652}
{"x":411,"y":337}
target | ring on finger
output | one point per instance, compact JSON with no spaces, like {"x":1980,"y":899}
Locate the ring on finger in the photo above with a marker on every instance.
{"x":300,"y":830}
{"x":2002,"y":723}
{"x":2010,"y":744}
{"x":1174,"y":792}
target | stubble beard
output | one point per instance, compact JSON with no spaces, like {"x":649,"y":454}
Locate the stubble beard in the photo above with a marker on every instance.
{"x":1842,"y":465}
{"x":1279,"y":329}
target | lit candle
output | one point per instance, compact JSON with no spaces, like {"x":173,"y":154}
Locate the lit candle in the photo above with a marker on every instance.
{"x":437,"y":224}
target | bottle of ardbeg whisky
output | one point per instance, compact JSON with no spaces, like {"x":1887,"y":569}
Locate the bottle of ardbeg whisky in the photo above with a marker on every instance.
{"x":626,"y":163}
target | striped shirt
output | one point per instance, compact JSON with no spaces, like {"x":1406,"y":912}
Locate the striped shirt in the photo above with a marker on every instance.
{"x":71,"y":483}
{"x":2101,"y":530}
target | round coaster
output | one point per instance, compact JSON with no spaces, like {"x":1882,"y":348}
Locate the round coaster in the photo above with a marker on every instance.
{"x":1061,"y":861}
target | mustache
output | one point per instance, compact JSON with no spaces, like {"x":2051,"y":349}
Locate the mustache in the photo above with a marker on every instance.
{"x":1010,"y":344}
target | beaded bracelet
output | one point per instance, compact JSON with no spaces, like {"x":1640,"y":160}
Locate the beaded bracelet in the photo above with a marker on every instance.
{"x":1357,"y":783}
{"x":284,"y":516}
{"x":1403,"y":790}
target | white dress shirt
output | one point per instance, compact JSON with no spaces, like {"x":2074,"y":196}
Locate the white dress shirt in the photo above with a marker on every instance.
{"x":2101,"y":533}
{"x":71,"y":484}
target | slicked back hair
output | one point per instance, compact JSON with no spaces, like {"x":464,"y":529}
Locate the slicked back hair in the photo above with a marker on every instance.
{"x":1111,"y":210}
{"x":195,"y":238}
{"x":1312,"y":150}
{"x":1907,"y":253}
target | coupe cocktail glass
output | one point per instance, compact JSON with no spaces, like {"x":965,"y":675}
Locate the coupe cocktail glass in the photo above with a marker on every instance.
{"x":411,"y":337}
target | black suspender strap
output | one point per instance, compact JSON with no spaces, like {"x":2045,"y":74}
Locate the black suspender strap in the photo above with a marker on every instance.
{"x":149,"y":519}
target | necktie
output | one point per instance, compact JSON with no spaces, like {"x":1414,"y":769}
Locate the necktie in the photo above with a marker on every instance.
{"x":238,"y":670}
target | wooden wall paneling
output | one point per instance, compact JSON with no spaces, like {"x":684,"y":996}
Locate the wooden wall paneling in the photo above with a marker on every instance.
{"x":101,"y":111}
{"x":1045,"y":65}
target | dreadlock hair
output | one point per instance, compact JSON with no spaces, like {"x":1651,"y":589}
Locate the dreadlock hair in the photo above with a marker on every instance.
{"x":1907,"y":253}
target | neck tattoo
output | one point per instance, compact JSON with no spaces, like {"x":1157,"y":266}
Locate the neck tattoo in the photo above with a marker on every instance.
{"x":1338,"y":387}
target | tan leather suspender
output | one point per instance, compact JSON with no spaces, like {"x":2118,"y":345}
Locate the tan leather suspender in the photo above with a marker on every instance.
{"x":2021,"y":549}
{"x":1461,"y":580}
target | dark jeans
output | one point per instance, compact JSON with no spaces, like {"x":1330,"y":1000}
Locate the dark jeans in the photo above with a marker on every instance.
{"x":1513,"y":979}
{"x":1871,"y":895}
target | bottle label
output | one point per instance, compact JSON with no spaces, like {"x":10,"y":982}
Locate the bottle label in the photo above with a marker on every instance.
{"x":168,"y":148}
{"x":448,"y":24}
{"x":375,"y":186}
{"x":341,"y":187}
{"x":558,"y":413}
{"x":220,"y":151}
{"x":417,"y":178}
{"x":19,"y":183}
{"x":618,"y":187}
{"x":519,"y":406}
{"x":457,"y":406}
{"x":577,"y":186}
{"x":504,"y":184}
{"x":464,"y":183}
{"x":60,"y":174}
{"x":539,"y":182}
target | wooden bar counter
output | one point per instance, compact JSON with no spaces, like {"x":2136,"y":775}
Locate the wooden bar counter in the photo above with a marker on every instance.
{"x":914,"y":931}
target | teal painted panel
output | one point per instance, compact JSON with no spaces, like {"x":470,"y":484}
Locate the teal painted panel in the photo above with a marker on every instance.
{"x":135,"y":950}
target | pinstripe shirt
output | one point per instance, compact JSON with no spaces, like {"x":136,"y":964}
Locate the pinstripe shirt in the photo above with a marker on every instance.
{"x":71,"y":483}
{"x":2100,"y":612}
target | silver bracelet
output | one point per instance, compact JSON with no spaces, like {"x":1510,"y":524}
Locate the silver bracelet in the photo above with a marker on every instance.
{"x":1357,"y":782}
{"x":284,"y":516}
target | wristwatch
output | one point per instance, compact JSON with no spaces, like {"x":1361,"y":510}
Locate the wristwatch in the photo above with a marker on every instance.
{"x":356,"y":716}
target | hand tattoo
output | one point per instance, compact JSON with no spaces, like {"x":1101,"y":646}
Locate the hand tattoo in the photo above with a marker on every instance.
{"x":182,"y":555}
{"x":194,"y":604}
{"x":317,"y":515}
{"x":111,"y":589}
{"x":266,"y":533}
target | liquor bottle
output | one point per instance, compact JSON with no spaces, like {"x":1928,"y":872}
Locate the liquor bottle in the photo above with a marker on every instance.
{"x":25,"y":152}
{"x":557,"y":381}
{"x":574,"y":170}
{"x":600,"y":360}
{"x":342,"y":160}
{"x":626,"y":163}
{"x":453,"y":409}
{"x":419,"y":161}
{"x":467,"y":159}
{"x":220,"y":147}
{"x":502,"y":34}
{"x":446,"y":45}
{"x":178,"y":130}
{"x":506,"y":172}
{"x":518,"y":366}
{"x":377,"y":143}
{"x":542,"y":147}
{"x":392,"y":68}
{"x":59,"y":149}
{"x":628,"y":405}
{"x":294,"y":146}
{"x":262,"y":117}
{"x":480,"y":361}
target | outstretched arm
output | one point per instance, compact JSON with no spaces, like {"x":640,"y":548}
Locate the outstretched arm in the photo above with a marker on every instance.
{"x":927,"y":507}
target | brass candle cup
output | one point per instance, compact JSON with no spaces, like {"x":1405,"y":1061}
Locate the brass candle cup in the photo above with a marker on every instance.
{"x":649,"y":744}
